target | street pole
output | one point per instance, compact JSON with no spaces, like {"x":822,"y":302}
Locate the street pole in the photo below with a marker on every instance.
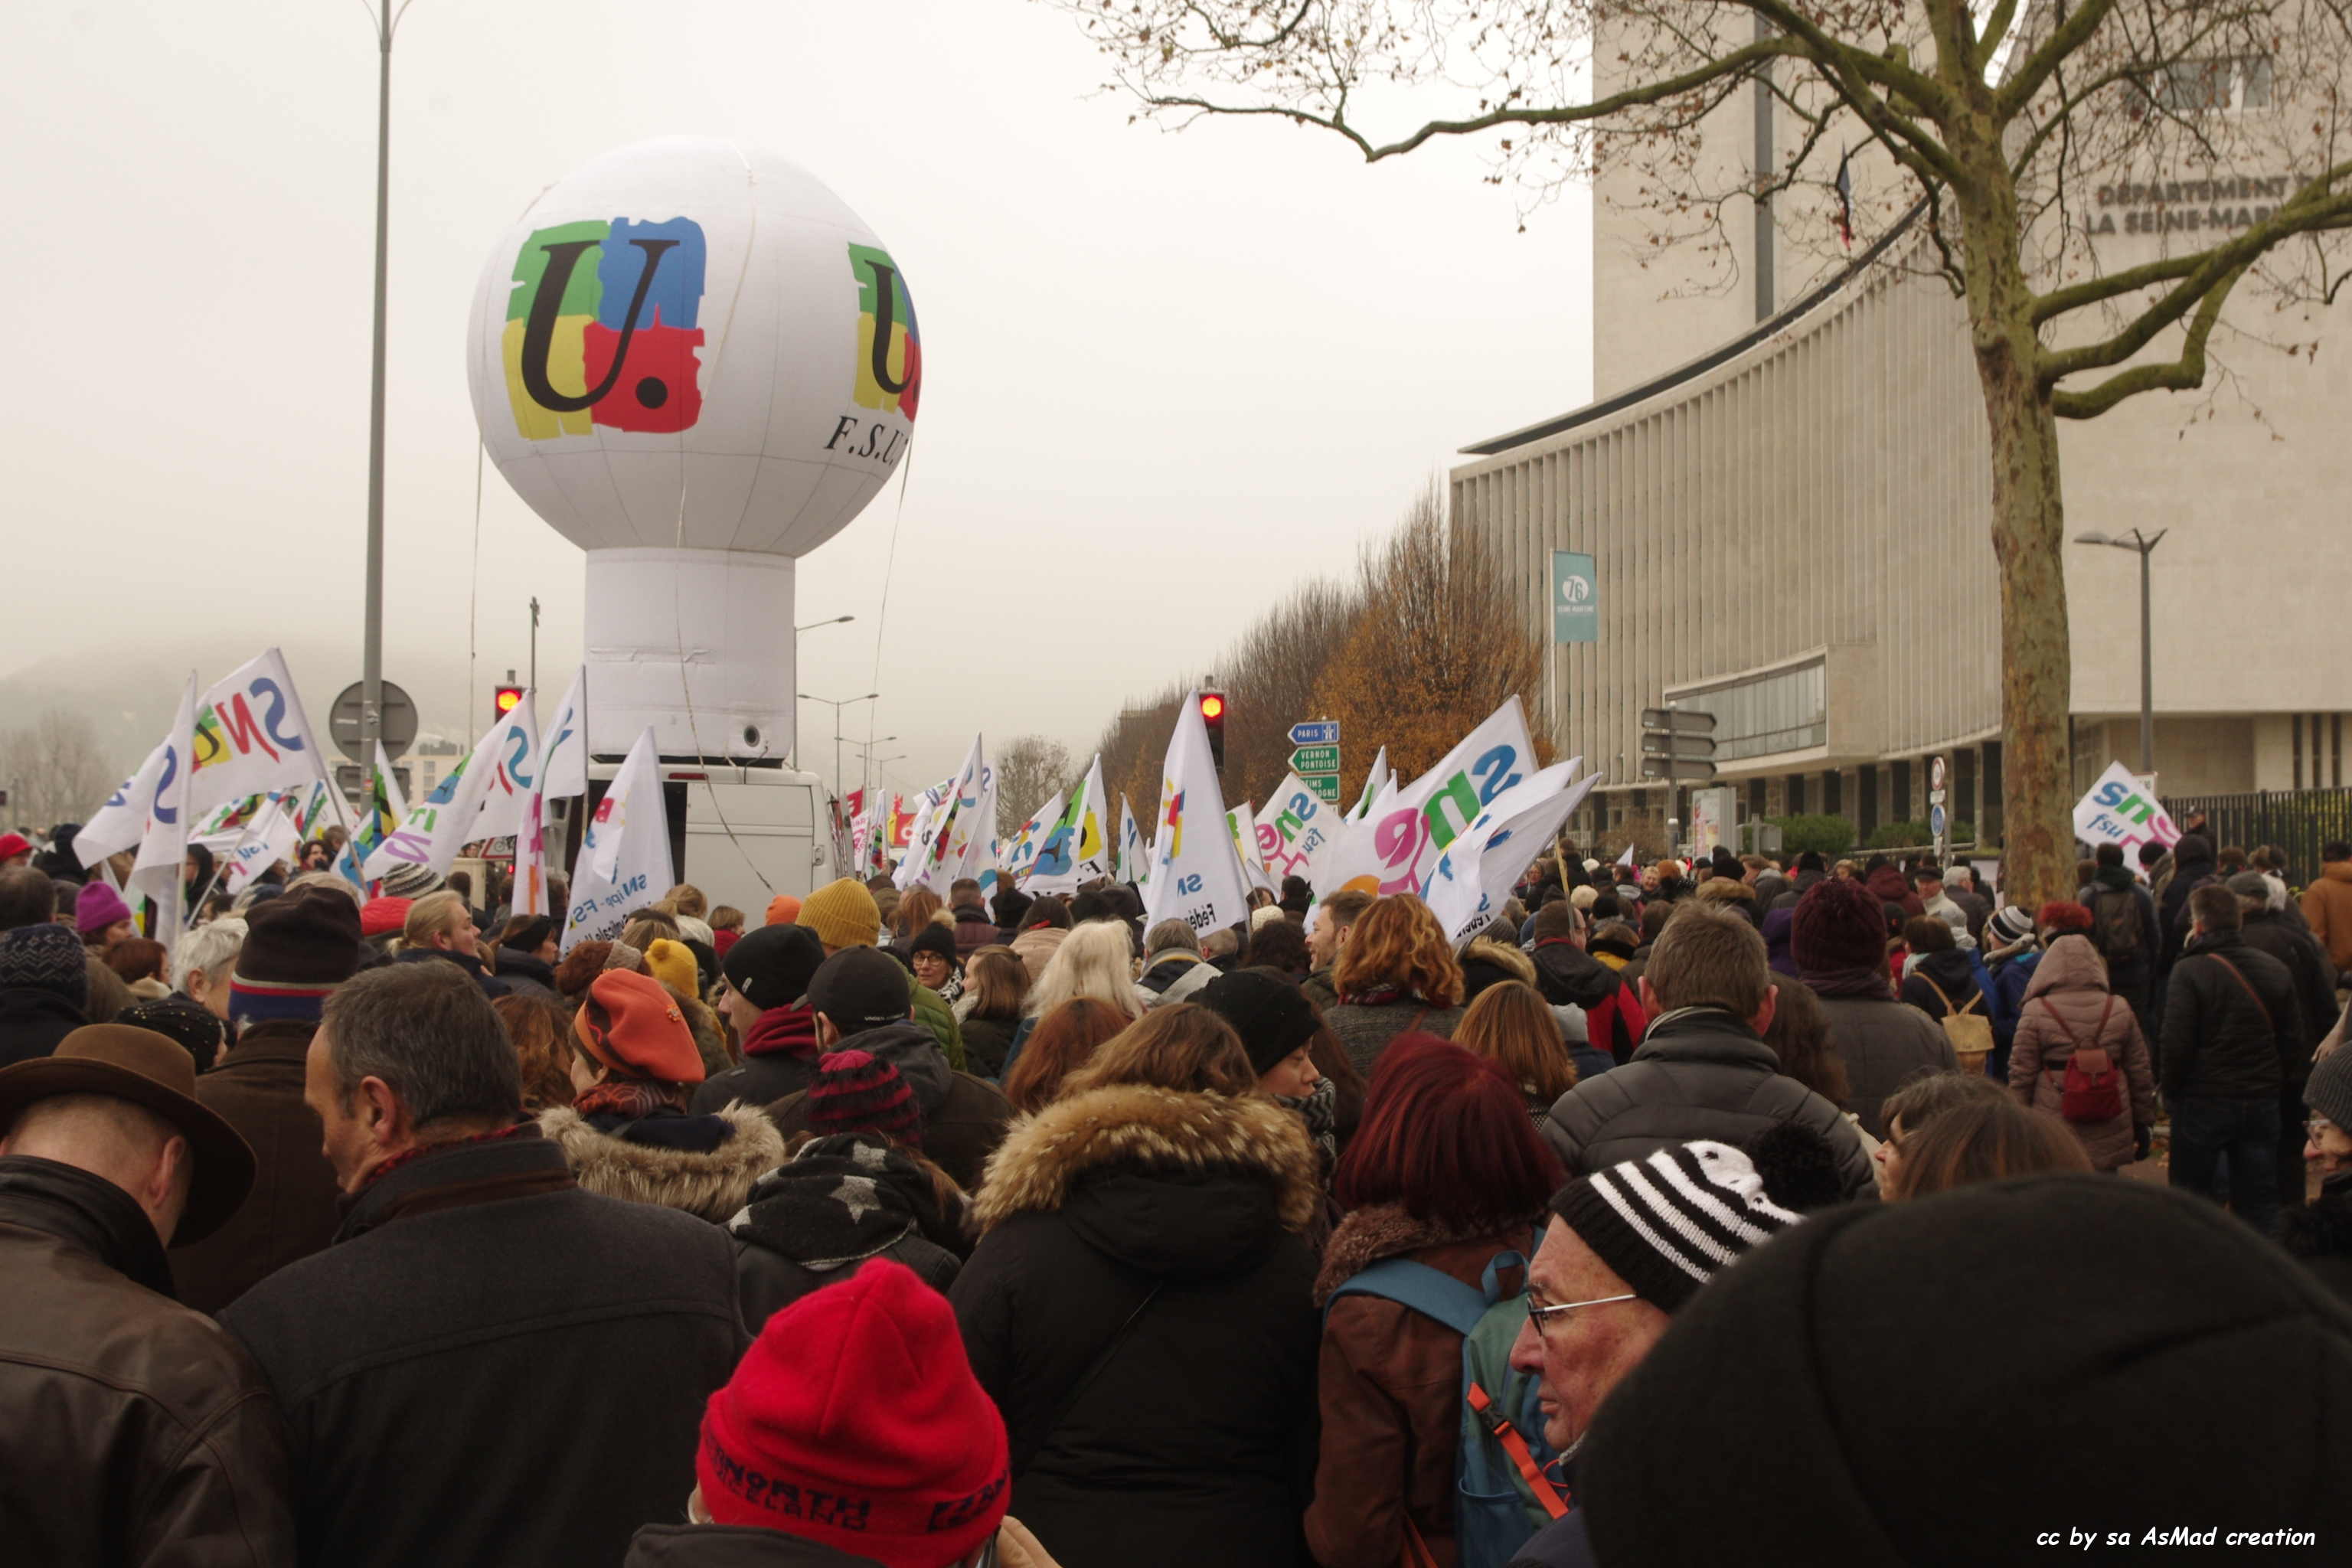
{"x":2146,"y":663}
{"x":372,"y":633}
{"x":534,"y":642}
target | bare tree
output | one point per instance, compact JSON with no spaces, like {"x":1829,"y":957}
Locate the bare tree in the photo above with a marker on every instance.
{"x":1028,"y":770}
{"x":1981,"y":125}
{"x":1439,"y":642}
{"x":54,"y":770}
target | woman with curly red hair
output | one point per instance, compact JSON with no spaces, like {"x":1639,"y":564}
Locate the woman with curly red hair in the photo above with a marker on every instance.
{"x":1397,"y":975}
{"x":1446,"y":1171}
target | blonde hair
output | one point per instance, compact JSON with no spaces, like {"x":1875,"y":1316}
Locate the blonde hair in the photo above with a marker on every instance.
{"x":687,"y":899}
{"x":1513,"y":1028}
{"x":1095,"y":959}
{"x":431,"y":915}
{"x":1399,"y":942}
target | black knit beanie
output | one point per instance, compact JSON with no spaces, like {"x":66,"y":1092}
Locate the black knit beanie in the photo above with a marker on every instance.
{"x":1833,"y":1398}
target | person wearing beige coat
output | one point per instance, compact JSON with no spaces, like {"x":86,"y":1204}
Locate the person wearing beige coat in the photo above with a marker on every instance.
{"x":2068,"y":1007}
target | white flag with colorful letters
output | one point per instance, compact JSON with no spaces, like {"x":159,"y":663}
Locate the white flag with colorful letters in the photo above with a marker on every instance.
{"x":1196,"y":877}
{"x":625,"y":860}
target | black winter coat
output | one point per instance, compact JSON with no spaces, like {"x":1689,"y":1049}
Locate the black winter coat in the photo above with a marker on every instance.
{"x":986,"y":1043}
{"x":2307,"y":964}
{"x":732,"y":1546}
{"x":2172,"y":910}
{"x":522,"y":1363}
{"x":1955,"y":974}
{"x":2219,"y":1043}
{"x":1157,"y":1239}
{"x":1701,"y":1073}
{"x":2320,"y":1234}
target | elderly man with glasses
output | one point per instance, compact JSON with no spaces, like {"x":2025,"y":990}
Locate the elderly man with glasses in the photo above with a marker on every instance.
{"x":1627,"y":1248}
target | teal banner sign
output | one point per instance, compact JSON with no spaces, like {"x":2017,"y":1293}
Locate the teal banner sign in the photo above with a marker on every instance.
{"x":1575,"y":598}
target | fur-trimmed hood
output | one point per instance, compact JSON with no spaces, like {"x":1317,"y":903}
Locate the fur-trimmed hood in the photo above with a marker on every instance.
{"x":1508,"y":959}
{"x":1385,"y":1230}
{"x":1139,"y":1129}
{"x":708,"y":1183}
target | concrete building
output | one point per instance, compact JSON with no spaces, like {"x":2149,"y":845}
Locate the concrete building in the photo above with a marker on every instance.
{"x":1784,"y":484}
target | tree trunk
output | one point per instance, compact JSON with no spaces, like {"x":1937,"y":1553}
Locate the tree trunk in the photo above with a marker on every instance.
{"x":2028,"y":537}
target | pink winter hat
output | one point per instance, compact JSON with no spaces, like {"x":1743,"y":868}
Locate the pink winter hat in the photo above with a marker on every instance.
{"x":99,"y":907}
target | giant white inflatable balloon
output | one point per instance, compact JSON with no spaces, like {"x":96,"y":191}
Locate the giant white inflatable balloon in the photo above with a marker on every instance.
{"x":696,"y":362}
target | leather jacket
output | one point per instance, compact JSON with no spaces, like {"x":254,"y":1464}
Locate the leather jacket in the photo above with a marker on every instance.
{"x":156,"y":1440}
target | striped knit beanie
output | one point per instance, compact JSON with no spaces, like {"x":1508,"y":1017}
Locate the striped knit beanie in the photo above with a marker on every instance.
{"x":1667,"y":1223}
{"x":855,"y":1092}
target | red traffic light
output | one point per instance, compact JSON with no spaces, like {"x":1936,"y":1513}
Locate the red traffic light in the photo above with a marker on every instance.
{"x":505,"y":697}
{"x":1213,"y":706}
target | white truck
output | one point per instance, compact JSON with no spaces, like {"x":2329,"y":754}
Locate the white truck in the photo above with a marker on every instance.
{"x":741,"y":832}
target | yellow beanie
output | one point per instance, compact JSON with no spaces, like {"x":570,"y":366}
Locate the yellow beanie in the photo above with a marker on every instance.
{"x":842,"y":914}
{"x":672,"y":964}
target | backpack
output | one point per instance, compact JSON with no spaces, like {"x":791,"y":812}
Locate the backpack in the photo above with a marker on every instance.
{"x":2116,"y":932}
{"x":1500,"y":1496}
{"x":2091,"y":1088}
{"x":1969,"y":1031}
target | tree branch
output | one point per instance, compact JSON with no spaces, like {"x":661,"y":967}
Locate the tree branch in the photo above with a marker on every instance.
{"x":2010,"y":100}
{"x":1737,"y":64}
{"x":2183,"y":375}
{"x":2318,"y":205}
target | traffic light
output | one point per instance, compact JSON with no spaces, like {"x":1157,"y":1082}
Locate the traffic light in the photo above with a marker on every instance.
{"x":1212,"y":715}
{"x":503,"y":700}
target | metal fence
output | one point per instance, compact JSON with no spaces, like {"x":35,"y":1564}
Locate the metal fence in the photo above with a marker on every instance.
{"x":2297,"y":821}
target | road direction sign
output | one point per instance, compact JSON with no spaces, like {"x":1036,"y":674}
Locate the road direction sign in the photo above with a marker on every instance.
{"x":1682,"y":721}
{"x":1686,"y":770}
{"x":1694,"y":746}
{"x":1324,"y":785}
{"x":1315,"y":733}
{"x":398,"y":725}
{"x":1314,"y":760}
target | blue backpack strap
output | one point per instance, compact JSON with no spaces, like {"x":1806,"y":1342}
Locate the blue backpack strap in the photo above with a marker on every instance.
{"x":1432,"y":1292}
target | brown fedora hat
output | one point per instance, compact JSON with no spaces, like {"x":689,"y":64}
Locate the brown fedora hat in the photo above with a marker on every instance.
{"x":153,"y":1071}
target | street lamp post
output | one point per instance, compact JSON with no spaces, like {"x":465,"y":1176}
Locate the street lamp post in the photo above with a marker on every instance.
{"x":2143,"y":546}
{"x":866,"y":773}
{"x":385,"y":19}
{"x":837,"y":705}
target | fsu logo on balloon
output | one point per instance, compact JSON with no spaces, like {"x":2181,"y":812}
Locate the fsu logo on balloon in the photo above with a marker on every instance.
{"x":576,"y":329}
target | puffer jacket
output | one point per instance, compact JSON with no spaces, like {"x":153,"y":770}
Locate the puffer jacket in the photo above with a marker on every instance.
{"x":1569,"y":977}
{"x":1156,"y":1239}
{"x":1701,"y":1073}
{"x":2219,"y":1042}
{"x":1390,"y":1392}
{"x":974,"y":930}
{"x":140,"y":1432}
{"x":2067,"y":1006}
{"x":704,"y":1165}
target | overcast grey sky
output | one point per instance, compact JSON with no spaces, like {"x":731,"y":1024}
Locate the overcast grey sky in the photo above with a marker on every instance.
{"x":1166,"y":376}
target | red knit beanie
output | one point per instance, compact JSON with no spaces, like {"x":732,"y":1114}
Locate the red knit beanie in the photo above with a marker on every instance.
{"x":854,"y":1421}
{"x":855,"y":1092}
{"x":629,"y":1023}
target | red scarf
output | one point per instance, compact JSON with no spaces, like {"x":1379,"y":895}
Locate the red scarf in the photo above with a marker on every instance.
{"x":417,"y":1151}
{"x":783,"y":1031}
{"x":629,"y":1096}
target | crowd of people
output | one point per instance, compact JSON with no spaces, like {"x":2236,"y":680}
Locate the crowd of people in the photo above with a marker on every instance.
{"x":1734,"y":1208}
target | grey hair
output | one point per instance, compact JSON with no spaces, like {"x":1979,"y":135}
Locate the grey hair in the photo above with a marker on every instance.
{"x":1170,"y":936}
{"x":427,"y":1031}
{"x":211,"y":948}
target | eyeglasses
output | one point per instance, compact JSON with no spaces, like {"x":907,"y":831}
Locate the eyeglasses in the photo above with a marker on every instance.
{"x":2316,"y":1126}
{"x":1537,"y":1315}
